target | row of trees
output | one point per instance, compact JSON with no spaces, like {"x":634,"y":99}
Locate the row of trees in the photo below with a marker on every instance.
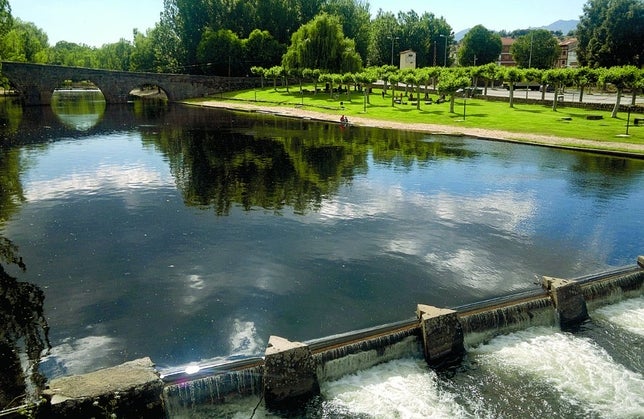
{"x":228,"y":37}
{"x":452,"y":81}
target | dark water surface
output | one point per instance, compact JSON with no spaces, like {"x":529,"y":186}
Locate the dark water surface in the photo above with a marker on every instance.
{"x":185,"y":233}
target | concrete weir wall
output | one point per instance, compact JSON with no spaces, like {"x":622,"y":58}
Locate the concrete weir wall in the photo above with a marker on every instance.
{"x":290,"y":372}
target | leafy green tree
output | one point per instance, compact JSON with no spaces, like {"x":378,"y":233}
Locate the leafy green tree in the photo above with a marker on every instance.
{"x":72,"y":54}
{"x":422,"y":34}
{"x":538,"y":49}
{"x":384,"y":39}
{"x":479,"y":46}
{"x":115,"y":56}
{"x":6,"y":20}
{"x":262,"y":49}
{"x":611,"y":33}
{"x":355,"y":19}
{"x":582,"y":77}
{"x":188,"y":19}
{"x":626,"y":77}
{"x":512,"y":75}
{"x":450,"y":82}
{"x":274,"y":73}
{"x":490,"y":73}
{"x":559,"y":78}
{"x":321,"y":44}
{"x":25,"y":42}
{"x":218,"y":53}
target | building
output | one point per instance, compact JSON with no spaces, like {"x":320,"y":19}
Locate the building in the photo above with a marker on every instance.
{"x":407,"y":59}
{"x":505,"y":58}
{"x":568,"y":57}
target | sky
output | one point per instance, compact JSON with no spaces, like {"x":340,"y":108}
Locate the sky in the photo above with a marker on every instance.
{"x":99,"y":22}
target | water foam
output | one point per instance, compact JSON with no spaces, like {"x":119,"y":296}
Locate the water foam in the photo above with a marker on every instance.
{"x":576,"y":367}
{"x":628,"y":314}
{"x":404,"y":388}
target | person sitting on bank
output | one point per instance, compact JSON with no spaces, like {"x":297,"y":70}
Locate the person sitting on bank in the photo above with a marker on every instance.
{"x":344,"y":120}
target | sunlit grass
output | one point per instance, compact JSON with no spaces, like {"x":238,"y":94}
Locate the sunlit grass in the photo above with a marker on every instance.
{"x":474,"y":113}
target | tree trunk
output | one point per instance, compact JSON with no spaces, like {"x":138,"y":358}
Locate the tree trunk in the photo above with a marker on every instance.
{"x":616,"y":107}
{"x":451,"y":103}
{"x":512,"y":95}
{"x":554,"y":99}
{"x":581,"y":93}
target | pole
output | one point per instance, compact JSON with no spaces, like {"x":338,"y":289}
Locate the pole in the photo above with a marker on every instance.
{"x":393,"y":39}
{"x":445,"y":56}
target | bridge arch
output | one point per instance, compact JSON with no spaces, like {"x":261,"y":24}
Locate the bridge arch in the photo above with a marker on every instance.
{"x":36,"y":82}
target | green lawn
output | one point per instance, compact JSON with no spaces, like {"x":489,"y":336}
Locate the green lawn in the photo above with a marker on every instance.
{"x":479,"y":113}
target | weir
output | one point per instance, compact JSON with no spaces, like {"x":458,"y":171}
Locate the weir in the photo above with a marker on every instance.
{"x":290,"y":372}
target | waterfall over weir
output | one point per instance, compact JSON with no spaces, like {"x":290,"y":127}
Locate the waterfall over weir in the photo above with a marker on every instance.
{"x":339,"y":355}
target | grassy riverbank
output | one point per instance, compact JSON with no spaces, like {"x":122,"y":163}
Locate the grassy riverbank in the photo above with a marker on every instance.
{"x":566,"y":127}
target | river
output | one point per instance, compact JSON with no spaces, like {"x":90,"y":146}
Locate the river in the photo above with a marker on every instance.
{"x":186,"y":234}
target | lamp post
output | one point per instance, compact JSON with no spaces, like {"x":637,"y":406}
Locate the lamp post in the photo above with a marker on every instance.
{"x":393,"y":39}
{"x":445,"y":57}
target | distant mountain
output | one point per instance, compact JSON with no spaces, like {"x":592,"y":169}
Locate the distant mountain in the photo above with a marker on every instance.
{"x":564,"y":26}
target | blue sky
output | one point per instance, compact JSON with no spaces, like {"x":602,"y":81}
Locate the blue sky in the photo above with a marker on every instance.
{"x":97,"y":22}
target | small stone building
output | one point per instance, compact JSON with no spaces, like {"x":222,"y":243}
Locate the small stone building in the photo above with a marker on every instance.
{"x":407,"y":59}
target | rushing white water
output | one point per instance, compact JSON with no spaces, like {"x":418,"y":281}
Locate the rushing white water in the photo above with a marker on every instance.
{"x":404,"y":388}
{"x":581,"y":371}
{"x":628,"y":314}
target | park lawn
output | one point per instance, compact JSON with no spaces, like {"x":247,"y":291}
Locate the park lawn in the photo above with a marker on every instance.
{"x":567,"y":122}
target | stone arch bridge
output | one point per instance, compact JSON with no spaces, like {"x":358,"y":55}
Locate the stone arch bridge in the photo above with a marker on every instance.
{"x":36,"y":82}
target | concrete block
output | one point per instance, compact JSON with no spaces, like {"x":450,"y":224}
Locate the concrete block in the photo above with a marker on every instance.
{"x":289,"y":374}
{"x":568,"y":300}
{"x":443,"y":338}
{"x":132,"y":389}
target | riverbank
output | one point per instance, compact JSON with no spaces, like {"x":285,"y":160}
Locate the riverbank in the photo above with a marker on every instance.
{"x":612,"y":147}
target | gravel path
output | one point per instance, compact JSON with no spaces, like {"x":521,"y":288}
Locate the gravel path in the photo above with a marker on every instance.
{"x":544,"y":140}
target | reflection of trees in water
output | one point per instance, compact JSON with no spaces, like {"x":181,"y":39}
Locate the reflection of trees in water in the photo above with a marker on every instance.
{"x":23,"y":332}
{"x":271,"y":163}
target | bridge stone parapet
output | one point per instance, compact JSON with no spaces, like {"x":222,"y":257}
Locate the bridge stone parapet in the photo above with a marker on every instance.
{"x":36,"y":82}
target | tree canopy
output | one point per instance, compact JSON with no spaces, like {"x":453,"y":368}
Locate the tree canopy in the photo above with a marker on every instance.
{"x":611,"y":33}
{"x":538,"y":49}
{"x":321,"y":44}
{"x":479,"y":46}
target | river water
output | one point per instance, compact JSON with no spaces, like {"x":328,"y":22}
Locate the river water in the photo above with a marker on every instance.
{"x":186,"y":234}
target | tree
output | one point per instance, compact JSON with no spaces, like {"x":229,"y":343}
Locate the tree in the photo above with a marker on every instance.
{"x":479,"y":46}
{"x":25,"y":42}
{"x":611,"y":33}
{"x":355,"y":19}
{"x":158,"y":50}
{"x":72,"y":54}
{"x":490,"y":73}
{"x":512,"y":75}
{"x":450,"y":82}
{"x":218,"y":51}
{"x":582,"y":77}
{"x":321,"y":44}
{"x":6,"y":20}
{"x":538,"y":49}
{"x":262,"y":49}
{"x":115,"y":56}
{"x":188,"y":19}
{"x":384,"y":30}
{"x":627,"y":77}
{"x":559,"y":78}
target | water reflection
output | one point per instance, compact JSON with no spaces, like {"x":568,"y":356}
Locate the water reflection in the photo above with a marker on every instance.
{"x":23,"y":333}
{"x":79,"y":109}
{"x":189,"y":220}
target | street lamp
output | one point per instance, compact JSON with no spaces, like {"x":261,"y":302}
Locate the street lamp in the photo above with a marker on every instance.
{"x":445,"y":58}
{"x":393,"y":39}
